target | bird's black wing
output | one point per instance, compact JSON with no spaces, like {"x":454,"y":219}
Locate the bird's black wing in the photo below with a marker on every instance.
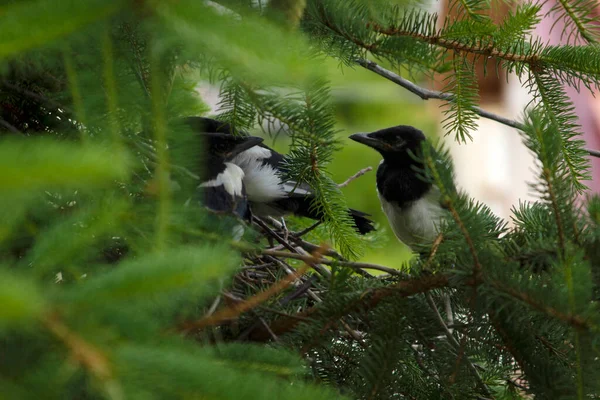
{"x":297,"y":197}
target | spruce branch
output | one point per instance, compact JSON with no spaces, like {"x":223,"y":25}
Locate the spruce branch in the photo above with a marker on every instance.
{"x":427,"y":94}
{"x":453,"y":342}
{"x":576,"y":321}
{"x":449,"y":204}
{"x":110,"y":84}
{"x":9,"y":126}
{"x":481,"y":48}
{"x":508,"y":341}
{"x":139,"y":62}
{"x":576,"y":15}
{"x":407,"y":287}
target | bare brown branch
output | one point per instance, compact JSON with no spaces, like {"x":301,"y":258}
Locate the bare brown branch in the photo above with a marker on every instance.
{"x":355,"y":176}
{"x":427,"y":94}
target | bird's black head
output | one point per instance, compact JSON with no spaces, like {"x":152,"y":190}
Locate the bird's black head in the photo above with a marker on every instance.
{"x":219,"y":138}
{"x":392,"y":142}
{"x":228,"y":146}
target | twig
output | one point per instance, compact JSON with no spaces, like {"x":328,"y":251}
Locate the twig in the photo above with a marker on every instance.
{"x":427,"y":94}
{"x":434,"y":248}
{"x":313,"y":226}
{"x":273,"y":234}
{"x":268,"y":328}
{"x":310,"y":247}
{"x":449,"y":313}
{"x":354,"y":265}
{"x":355,"y":176}
{"x":454,"y":343}
{"x":287,"y":245}
{"x":249,"y":304}
{"x":283,"y":314}
{"x":213,"y":307}
{"x":313,"y":296}
{"x":9,"y":126}
{"x":37,"y":96}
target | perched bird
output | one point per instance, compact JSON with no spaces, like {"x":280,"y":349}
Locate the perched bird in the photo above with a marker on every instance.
{"x":269,"y":194}
{"x":412,"y":205}
{"x":222,"y":186}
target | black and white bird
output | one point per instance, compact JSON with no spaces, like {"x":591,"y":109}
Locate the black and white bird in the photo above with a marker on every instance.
{"x":412,"y":205}
{"x":269,"y":194}
{"x":222,"y":187}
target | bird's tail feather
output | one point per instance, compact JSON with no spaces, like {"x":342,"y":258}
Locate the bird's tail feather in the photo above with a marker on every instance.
{"x":363,"y":224}
{"x":301,"y":206}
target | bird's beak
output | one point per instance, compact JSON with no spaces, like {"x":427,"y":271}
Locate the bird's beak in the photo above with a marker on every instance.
{"x":365,"y":139}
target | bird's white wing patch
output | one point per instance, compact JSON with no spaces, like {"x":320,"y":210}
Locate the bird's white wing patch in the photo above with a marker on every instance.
{"x":231,"y":179}
{"x":252,"y":154}
{"x":261,"y":180}
{"x":415,"y":223}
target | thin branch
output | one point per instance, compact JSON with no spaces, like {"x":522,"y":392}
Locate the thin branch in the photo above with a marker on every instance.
{"x":427,"y":94}
{"x":455,"y":343}
{"x":9,"y":126}
{"x":314,"y":296}
{"x":320,"y":269}
{"x":350,"y":264}
{"x":316,"y":224}
{"x":355,"y":176}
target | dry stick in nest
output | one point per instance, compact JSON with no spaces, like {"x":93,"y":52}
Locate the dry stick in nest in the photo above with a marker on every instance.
{"x":349,"y":264}
{"x":305,"y":288}
{"x":237,"y":309}
{"x":287,"y":245}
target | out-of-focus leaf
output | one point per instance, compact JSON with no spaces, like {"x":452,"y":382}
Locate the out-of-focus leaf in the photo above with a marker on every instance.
{"x":28,"y":24}
{"x":20,"y":300}
{"x":70,"y":239}
{"x":250,"y":47}
{"x":161,"y":273}
{"x":33,"y":164}
{"x":259,"y":358}
{"x":202,"y":376}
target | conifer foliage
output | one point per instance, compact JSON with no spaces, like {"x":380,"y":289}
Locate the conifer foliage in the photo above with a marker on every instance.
{"x":116,"y":284}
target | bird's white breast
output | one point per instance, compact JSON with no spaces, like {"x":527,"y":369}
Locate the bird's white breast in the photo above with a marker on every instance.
{"x":416,"y":222}
{"x":231,"y":179}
